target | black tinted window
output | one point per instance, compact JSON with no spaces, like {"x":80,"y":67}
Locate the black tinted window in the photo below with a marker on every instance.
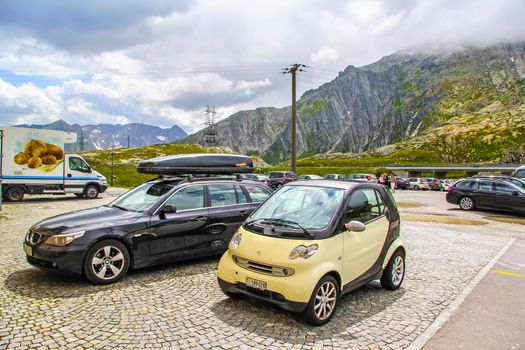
{"x":503,"y":188}
{"x":241,"y":197}
{"x":274,"y":175}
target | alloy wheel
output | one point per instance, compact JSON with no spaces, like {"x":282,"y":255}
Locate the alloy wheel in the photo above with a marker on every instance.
{"x":325,"y":300}
{"x":108,"y":262}
{"x":466,"y":203}
{"x":398,"y":270}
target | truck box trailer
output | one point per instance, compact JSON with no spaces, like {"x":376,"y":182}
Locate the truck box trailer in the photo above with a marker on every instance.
{"x":33,"y":161}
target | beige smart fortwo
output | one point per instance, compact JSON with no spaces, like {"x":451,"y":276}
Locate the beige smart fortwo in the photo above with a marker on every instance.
{"x":313,"y":241}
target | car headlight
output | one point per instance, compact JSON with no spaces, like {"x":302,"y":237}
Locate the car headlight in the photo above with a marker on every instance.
{"x":64,"y":239}
{"x":236,"y":240}
{"x":302,"y":251}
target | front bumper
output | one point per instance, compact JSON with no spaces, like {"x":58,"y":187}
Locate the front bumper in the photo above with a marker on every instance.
{"x":290,"y":293}
{"x":69,"y":258}
{"x":103,"y":188}
{"x":268,"y":296}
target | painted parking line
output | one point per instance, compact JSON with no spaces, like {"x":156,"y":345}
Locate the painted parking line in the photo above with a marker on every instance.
{"x":508,"y":273}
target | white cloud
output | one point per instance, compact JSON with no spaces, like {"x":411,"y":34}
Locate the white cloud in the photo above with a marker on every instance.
{"x":162,"y":62}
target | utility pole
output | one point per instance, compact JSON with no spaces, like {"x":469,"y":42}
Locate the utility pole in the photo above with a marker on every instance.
{"x":128,"y":141}
{"x":293,"y":69}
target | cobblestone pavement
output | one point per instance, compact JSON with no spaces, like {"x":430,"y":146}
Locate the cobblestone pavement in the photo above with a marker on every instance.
{"x":181,"y":305}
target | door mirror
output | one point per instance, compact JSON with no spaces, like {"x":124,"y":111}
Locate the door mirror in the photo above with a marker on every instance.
{"x":515,"y":193}
{"x":387,"y":213}
{"x":168,"y":208}
{"x":355,"y":226}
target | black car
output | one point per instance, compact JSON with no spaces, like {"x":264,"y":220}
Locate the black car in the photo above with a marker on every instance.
{"x":402,"y":183}
{"x":164,"y":220}
{"x":484,"y":193}
{"x":279,"y":178}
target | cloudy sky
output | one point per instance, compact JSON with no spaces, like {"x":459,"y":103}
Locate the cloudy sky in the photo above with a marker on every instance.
{"x":162,"y":62}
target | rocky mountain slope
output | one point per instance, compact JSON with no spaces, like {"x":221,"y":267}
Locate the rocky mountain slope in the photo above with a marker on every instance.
{"x":106,"y":136}
{"x":444,"y":103}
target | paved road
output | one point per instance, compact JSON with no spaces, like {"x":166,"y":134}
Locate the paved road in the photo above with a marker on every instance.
{"x":181,"y":306}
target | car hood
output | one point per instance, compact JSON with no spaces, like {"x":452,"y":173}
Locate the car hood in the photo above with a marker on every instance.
{"x":86,"y":219}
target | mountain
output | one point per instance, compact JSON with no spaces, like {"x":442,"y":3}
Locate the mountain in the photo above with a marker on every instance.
{"x":403,"y":96}
{"x":106,"y":136}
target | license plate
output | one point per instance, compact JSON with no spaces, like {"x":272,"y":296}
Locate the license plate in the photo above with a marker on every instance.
{"x":28,"y":250}
{"x":260,"y":285}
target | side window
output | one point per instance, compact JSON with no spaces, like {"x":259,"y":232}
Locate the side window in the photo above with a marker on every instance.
{"x":222,"y":194}
{"x":78,"y":164}
{"x":191,"y":197}
{"x":241,"y":197}
{"x":485,"y":186}
{"x":364,"y":205}
{"x":257,"y":193}
{"x":503,"y":188}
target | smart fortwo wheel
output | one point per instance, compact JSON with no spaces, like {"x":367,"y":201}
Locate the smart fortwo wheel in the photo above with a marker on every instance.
{"x":106,"y":262}
{"x":395,"y":271}
{"x":323,"y":301}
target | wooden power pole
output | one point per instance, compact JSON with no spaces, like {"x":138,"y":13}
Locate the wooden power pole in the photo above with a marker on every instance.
{"x":293,"y":69}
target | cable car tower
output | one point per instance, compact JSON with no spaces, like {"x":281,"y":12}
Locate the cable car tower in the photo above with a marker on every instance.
{"x":210,"y":128}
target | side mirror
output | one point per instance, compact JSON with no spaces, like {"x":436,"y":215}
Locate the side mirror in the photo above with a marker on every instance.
{"x":89,"y":169}
{"x":387,"y":213}
{"x":355,"y":226}
{"x":168,"y":208}
{"x":515,"y":193}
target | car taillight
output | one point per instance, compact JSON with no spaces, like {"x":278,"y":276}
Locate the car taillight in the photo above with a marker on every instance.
{"x":421,"y":183}
{"x":287,"y":179}
{"x":450,"y":189}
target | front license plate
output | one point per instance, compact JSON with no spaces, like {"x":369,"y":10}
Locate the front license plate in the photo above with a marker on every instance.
{"x":260,"y":285}
{"x":28,"y":250}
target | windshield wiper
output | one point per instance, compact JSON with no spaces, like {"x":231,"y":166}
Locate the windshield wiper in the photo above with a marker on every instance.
{"x":284,"y":223}
{"x":119,"y":207}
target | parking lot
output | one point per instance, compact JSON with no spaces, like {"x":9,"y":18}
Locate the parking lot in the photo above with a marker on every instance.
{"x":181,"y":305}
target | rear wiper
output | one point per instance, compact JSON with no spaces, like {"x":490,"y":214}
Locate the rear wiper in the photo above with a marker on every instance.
{"x":290,"y":223}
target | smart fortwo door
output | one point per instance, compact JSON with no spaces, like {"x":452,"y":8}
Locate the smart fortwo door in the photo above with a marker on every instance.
{"x":362,"y":249}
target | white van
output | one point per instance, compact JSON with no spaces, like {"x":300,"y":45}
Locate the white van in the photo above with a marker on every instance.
{"x":34,"y":162}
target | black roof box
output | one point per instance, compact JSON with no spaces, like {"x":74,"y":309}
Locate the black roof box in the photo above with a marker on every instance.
{"x":194,"y":164}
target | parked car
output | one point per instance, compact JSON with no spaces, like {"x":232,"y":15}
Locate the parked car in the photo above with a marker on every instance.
{"x":515,"y":180}
{"x":484,"y":193}
{"x":313,"y":241}
{"x":402,"y":183}
{"x":255,"y":177}
{"x":363,"y":177}
{"x":519,"y":172}
{"x":160,"y":221}
{"x":416,"y":183}
{"x":335,"y":177}
{"x":279,"y":178}
{"x":433,"y":183}
{"x":310,"y":177}
{"x":445,"y":184}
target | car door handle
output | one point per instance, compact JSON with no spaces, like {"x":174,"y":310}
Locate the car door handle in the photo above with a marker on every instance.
{"x":243,"y":212}
{"x":69,"y":175}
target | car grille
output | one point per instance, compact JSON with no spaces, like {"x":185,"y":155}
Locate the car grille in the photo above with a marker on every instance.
{"x":265,"y":269}
{"x":33,"y":238}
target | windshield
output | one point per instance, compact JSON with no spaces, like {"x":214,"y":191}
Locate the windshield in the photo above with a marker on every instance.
{"x":143,"y":197}
{"x":310,"y":207}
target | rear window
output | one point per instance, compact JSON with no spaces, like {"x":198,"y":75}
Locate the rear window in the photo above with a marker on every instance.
{"x":257,"y":193}
{"x":275,"y":175}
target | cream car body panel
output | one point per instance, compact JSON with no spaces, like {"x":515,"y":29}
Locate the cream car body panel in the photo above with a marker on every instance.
{"x":397,"y":244}
{"x":362,"y":249}
{"x":275,"y":252}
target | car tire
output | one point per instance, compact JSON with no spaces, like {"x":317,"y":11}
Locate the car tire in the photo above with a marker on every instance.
{"x":323,"y":302}
{"x":106,"y":262}
{"x":467,"y":203}
{"x":394,"y":273}
{"x":91,"y":191}
{"x":416,"y":188}
{"x":14,"y":194}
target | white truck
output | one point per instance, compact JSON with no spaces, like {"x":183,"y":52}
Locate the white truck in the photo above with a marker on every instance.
{"x":33,"y":161}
